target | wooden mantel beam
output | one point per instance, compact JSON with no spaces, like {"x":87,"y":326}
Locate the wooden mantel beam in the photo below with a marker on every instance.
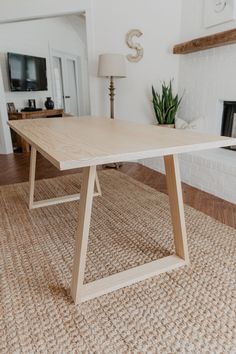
{"x":203,"y":43}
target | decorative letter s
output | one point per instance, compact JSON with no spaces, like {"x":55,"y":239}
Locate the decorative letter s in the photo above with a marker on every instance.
{"x":139,"y":50}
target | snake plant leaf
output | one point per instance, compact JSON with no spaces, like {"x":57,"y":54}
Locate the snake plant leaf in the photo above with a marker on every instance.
{"x":165,"y":103}
{"x":169,"y":116}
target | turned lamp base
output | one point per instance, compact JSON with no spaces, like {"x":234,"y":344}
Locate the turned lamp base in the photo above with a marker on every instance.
{"x":116,"y":165}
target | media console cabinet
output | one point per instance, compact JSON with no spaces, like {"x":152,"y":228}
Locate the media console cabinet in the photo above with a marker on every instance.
{"x":45,"y":113}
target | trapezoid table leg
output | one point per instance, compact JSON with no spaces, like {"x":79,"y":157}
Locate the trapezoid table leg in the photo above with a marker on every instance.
{"x":176,"y":206}
{"x":52,"y":201}
{"x":33,"y":156}
{"x":82,"y":233}
{"x":82,"y":292}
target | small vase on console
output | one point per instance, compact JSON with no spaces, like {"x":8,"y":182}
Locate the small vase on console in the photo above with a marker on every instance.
{"x":49,"y":104}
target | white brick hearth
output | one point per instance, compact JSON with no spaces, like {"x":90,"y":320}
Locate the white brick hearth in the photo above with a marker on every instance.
{"x":213,"y":171}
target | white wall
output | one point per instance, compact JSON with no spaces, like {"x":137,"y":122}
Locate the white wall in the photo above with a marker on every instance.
{"x":192,"y":25}
{"x":109,"y":21}
{"x":14,"y":10}
{"x":160,"y":23}
{"x":37,"y":38}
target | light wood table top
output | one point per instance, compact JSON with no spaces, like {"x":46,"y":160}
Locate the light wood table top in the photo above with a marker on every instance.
{"x":88,"y":141}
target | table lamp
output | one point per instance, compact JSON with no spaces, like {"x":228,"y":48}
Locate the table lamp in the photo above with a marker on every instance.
{"x":112,"y":66}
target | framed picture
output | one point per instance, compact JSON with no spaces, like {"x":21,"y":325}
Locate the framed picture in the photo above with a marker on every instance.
{"x":218,"y":11}
{"x":11,"y":107}
{"x":32,"y":103}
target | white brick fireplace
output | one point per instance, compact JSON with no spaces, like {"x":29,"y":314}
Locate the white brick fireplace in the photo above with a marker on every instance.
{"x":208,"y":79}
{"x":212,"y":171}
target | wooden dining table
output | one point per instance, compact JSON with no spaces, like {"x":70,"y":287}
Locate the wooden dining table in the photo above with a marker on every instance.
{"x":87,"y":142}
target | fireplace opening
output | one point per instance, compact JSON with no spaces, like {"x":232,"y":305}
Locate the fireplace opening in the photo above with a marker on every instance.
{"x":228,"y":127}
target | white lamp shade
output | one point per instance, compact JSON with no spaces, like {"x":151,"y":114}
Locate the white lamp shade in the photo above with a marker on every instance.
{"x":111,"y":65}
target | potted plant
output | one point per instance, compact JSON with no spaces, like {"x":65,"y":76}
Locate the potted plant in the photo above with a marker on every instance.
{"x":165,"y":105}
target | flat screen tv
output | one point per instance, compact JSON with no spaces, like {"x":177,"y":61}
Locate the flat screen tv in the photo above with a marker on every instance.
{"x":27,"y":73}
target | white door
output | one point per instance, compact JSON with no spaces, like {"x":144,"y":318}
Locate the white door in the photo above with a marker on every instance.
{"x":58,"y":84}
{"x":66,"y":82}
{"x":71,"y":97}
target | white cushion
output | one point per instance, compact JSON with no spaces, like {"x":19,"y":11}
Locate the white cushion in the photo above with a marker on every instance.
{"x":193,"y":125}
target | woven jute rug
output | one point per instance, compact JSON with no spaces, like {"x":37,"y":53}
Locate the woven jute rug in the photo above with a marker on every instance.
{"x":190,"y":310}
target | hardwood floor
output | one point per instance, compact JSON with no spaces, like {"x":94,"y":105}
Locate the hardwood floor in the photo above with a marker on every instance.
{"x":14,"y":168}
